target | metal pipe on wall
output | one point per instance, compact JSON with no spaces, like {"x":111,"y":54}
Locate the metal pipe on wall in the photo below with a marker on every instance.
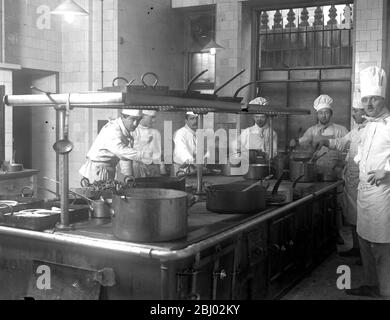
{"x":199,"y":171}
{"x":102,"y":41}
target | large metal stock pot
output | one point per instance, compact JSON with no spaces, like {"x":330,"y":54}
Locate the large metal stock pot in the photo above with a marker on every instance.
{"x":150,"y":215}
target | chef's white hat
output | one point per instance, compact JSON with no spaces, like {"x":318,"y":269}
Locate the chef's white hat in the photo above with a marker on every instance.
{"x":132,"y":112}
{"x":323,"y":102}
{"x":149,"y":112}
{"x":190,"y":113}
{"x":260,"y":101}
{"x":373,"y":82}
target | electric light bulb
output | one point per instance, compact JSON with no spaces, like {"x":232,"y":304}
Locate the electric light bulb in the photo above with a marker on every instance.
{"x":69,"y":18}
{"x":213,"y":51}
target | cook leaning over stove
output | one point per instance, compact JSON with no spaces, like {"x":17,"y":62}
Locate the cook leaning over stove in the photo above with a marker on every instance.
{"x":325,"y":127}
{"x":257,"y":137}
{"x":112,"y":145}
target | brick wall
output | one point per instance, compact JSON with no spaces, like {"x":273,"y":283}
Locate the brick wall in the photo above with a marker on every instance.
{"x":25,"y":43}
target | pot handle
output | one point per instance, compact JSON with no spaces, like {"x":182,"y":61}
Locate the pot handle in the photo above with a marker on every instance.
{"x":266,"y":179}
{"x":297,"y":180}
{"x":191,"y":200}
{"x":128,"y":179}
{"x":6,"y":206}
{"x":28,"y":195}
{"x":155,"y":76}
{"x":85,"y":182}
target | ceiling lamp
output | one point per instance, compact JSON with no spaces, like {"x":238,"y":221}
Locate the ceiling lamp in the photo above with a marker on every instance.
{"x":69,"y":9}
{"x":212,"y":46}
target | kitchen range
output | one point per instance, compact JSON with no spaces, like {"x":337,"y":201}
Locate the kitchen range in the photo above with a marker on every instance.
{"x":202,"y":235}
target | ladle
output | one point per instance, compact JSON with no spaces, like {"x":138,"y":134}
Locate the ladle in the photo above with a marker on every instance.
{"x":64,"y":146}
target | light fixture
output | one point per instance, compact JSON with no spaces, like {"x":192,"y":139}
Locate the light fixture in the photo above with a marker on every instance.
{"x":69,"y":9}
{"x":212,"y":46}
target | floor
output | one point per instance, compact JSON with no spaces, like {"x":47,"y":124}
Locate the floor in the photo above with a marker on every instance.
{"x":321,"y":283}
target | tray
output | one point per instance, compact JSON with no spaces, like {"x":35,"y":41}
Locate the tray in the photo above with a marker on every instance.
{"x":41,"y":219}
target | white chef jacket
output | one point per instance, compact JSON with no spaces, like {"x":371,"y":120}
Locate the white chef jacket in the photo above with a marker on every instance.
{"x":148,"y":140}
{"x":256,"y":138}
{"x":373,"y":223}
{"x":110,"y":146}
{"x":332,"y":131}
{"x":185,"y":146}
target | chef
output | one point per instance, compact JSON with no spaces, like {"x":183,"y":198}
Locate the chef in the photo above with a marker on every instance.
{"x":112,"y":145}
{"x":325,"y":127}
{"x":257,"y":137}
{"x":373,"y":203}
{"x":184,"y":152}
{"x":148,"y":139}
{"x":351,"y":171}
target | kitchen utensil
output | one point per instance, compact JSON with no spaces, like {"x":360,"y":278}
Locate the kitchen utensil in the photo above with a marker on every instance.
{"x":40,"y":219}
{"x":150,"y":215}
{"x":101,"y":209}
{"x":64,"y":146}
{"x":257,"y":171}
{"x":305,"y":168}
{"x":229,"y":198}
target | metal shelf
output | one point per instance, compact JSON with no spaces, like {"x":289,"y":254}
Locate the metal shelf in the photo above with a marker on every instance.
{"x":119,"y":100}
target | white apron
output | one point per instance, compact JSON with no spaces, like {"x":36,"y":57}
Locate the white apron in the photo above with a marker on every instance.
{"x":351,"y":179}
{"x":98,"y":171}
{"x":373,"y":209}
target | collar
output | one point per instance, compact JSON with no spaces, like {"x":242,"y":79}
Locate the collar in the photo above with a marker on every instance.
{"x":255,"y":126}
{"x":324,"y":126}
{"x":381,"y":118}
{"x":123,"y":129}
{"x":362,"y":125}
{"x":189,"y":129}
